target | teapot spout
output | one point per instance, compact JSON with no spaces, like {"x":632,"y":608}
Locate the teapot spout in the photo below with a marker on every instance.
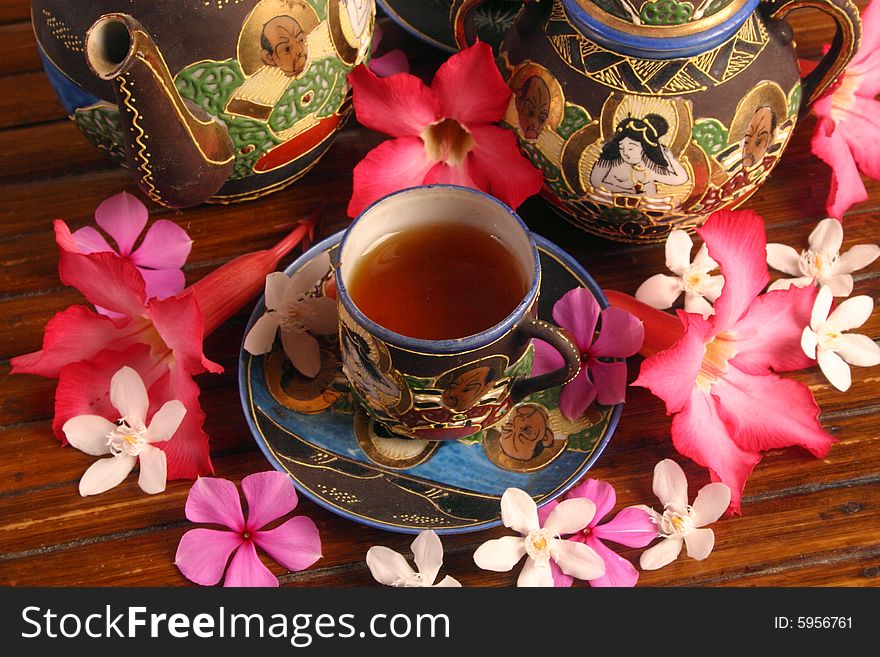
{"x":178,"y":154}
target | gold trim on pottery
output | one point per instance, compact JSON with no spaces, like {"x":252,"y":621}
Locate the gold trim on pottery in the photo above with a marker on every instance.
{"x":537,"y":99}
{"x":682,"y":29}
{"x":347,"y":28}
{"x":395,"y":453}
{"x":298,"y":393}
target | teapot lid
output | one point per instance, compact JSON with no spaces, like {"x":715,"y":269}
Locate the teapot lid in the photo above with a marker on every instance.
{"x":659,"y":29}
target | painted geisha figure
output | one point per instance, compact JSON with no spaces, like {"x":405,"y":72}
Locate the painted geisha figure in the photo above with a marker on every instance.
{"x":635,"y":160}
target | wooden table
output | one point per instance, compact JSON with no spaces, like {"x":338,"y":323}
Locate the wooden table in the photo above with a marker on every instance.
{"x":805,"y":522}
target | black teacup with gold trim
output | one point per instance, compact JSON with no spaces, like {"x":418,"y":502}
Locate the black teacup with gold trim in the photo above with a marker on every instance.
{"x":443,"y":389}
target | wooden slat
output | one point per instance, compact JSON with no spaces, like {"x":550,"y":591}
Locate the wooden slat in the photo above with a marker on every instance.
{"x":19,"y":51}
{"x":27,"y":98}
{"x":70,"y":152}
{"x":15,"y":10}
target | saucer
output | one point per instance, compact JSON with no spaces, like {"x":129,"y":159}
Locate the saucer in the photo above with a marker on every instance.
{"x":428,"y":20}
{"x":338,"y":458}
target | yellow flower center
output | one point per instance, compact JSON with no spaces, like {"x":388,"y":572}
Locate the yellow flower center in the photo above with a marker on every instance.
{"x":714,"y":366}
{"x":448,"y":141}
{"x":125,"y":439}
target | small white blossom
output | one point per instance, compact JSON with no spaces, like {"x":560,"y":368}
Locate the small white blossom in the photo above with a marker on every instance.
{"x":391,"y":569}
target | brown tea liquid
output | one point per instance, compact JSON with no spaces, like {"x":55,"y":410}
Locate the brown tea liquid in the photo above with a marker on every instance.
{"x":438,"y":282}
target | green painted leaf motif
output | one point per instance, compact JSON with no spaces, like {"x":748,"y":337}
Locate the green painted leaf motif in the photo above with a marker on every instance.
{"x":586,"y":440}
{"x":666,"y":12}
{"x":320,"y":91}
{"x":794,"y":100}
{"x":418,"y":383}
{"x":710,"y":134}
{"x":574,"y":118}
{"x":715,"y":6}
{"x":100,"y":125}
{"x":522,"y":367}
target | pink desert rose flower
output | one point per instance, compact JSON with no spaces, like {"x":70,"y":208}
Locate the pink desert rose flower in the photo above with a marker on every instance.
{"x":620,"y":335}
{"x":681,"y":524}
{"x":203,"y":553}
{"x":393,"y":61}
{"x":632,"y":527}
{"x":161,"y":254}
{"x":443,"y":133}
{"x":718,"y":379}
{"x":848,"y":129}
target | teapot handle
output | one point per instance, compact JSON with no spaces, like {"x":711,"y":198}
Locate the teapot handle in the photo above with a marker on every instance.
{"x":461,"y":19}
{"x":843,"y":47}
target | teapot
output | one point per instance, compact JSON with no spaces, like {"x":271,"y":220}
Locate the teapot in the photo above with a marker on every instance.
{"x":206,"y":100}
{"x":648,"y":115}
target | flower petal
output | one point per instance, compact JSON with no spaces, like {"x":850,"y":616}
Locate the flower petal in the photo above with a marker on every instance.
{"x":712,"y":501}
{"x":786,"y":283}
{"x":179,"y":323}
{"x":662,"y":554}
{"x":618,"y":571}
{"x":276,"y":290}
{"x":578,"y":312}
{"x":394,"y":164}
{"x":577,"y":559}
{"x":695,"y":303}
{"x":841,"y":285}
{"x":827,"y":236}
{"x":632,"y":527}
{"x":305,"y":279}
{"x":324,"y":316}
{"x":621,"y":334}
{"x":215,"y":501}
{"x":670,"y":485}
{"x":88,"y":433}
{"x":699,"y":543}
{"x":861,"y":129}
{"x":809,"y":342}
{"x":834,"y":368}
{"x":660,"y":291}
{"x":106,"y":473}
{"x":387,"y":566}
{"x":577,"y":395}
{"x":737,"y":242}
{"x":829,"y":145}
{"x":202,"y":554}
{"x":678,"y":252}
{"x":500,"y":554}
{"x":392,"y":62}
{"x":858,"y":257}
{"x":162,"y":283}
{"x":166,"y":246}
{"x":713,"y":289}
{"x":470,"y":88}
{"x":399,"y":105}
{"x":443,"y":173}
{"x":448,"y":582}
{"x":859,"y":350}
{"x":260,"y":339}
{"x":246,"y":569}
{"x":188,"y":454}
{"x":560,"y":579}
{"x":303,"y":351}
{"x":852,"y":313}
{"x":519,"y":511}
{"x":89,"y":240}
{"x":270,"y":495}
{"x":821,"y":308}
{"x":154,"y":470}
{"x":769,"y":412}
{"x":129,"y":396}
{"x":428,"y":553}
{"x":784,"y":258}
{"x":295,"y":544}
{"x":535,"y":574}
{"x":498,"y":167}
{"x":610,"y":381}
{"x":601,"y":493}
{"x":547,"y":358}
{"x":759,"y":351}
{"x":570,"y":516}
{"x":123,"y":217}
{"x":699,"y":433}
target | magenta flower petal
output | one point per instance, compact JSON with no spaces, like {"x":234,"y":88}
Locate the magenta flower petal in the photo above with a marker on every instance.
{"x":446,"y":174}
{"x":610,"y":381}
{"x":122,"y":217}
{"x":618,"y":571}
{"x":829,"y":144}
{"x":215,"y":501}
{"x":737,"y":242}
{"x":577,"y":395}
{"x":743,"y":403}
{"x":621,"y":334}
{"x":89,"y":240}
{"x":600,"y":492}
{"x":178,"y":320}
{"x":547,"y":359}
{"x":631,"y":527}
{"x":699,"y":433}
{"x":391,"y":63}
{"x":861,"y":129}
{"x":163,"y":283}
{"x":460,"y":98}
{"x":165,"y":246}
{"x":269,"y":496}
{"x":203,"y":553}
{"x":296,"y":544}
{"x":392,"y":165}
{"x":577,"y":312}
{"x":560,"y":579}
{"x":498,"y":167}
{"x":247,"y":570}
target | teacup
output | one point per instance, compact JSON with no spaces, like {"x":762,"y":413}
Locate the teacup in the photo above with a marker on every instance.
{"x":444,"y":389}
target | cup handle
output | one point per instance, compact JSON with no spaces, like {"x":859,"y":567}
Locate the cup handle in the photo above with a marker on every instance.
{"x":461,"y":19}
{"x":559,"y":340}
{"x":846,"y":41}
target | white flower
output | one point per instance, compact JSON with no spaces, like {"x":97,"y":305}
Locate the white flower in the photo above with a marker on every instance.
{"x":128,"y":441}
{"x":822,"y":263}
{"x":682,"y":524}
{"x":520,"y":513}
{"x":825,"y":341}
{"x":391,"y":569}
{"x":692,"y":278}
{"x":295,"y":314}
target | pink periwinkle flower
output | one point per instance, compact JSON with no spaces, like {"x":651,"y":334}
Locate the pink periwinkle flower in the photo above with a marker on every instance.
{"x":203,"y":553}
{"x":631,"y":527}
{"x":620,"y":335}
